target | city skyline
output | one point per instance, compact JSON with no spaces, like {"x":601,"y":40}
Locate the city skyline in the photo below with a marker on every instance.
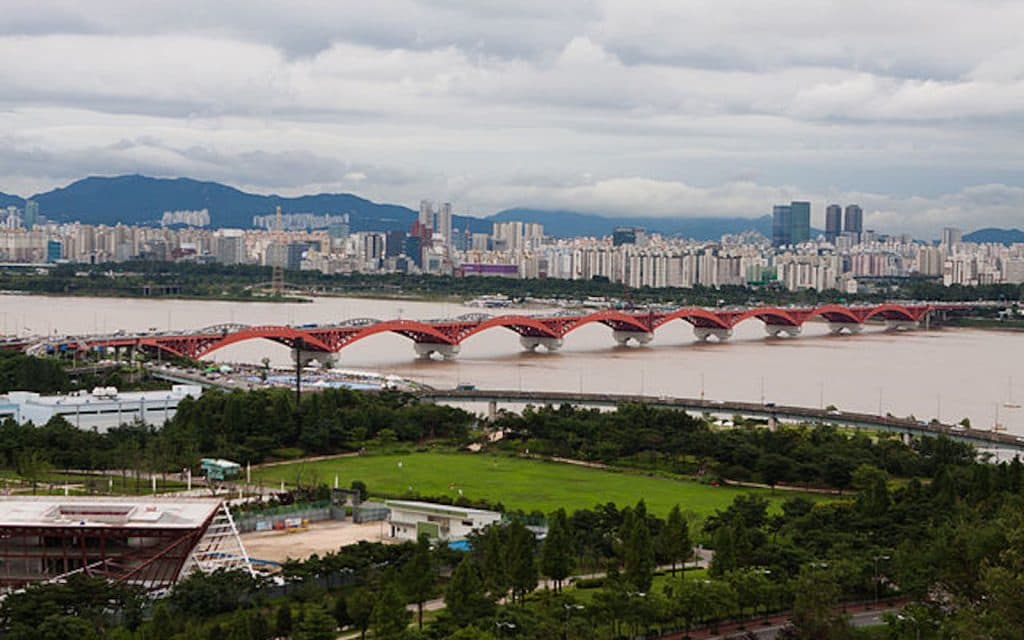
{"x":680,"y":109}
{"x":829,"y":219}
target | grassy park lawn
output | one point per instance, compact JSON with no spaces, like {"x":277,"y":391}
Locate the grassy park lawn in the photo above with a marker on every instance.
{"x":518,"y":483}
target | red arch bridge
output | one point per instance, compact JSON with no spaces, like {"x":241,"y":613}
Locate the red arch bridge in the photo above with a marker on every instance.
{"x":444,"y":337}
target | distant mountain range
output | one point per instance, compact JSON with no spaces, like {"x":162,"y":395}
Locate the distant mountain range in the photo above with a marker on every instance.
{"x":1001,"y":236}
{"x":136,"y":199}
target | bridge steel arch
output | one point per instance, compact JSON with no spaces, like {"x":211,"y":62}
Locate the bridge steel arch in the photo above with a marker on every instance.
{"x":695,"y":316}
{"x":523,"y":325}
{"x":616,"y":320}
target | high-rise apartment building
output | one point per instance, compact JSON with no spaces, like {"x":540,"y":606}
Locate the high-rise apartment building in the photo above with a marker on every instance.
{"x":31,"y":214}
{"x":833,"y":222}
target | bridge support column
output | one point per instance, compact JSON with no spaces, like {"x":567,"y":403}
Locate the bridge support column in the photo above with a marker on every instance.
{"x":530,"y":343}
{"x":907,"y":439}
{"x":776,"y":330}
{"x":703,"y":333}
{"x":900,"y":325}
{"x":426,"y":349}
{"x":849,"y":327}
{"x":492,"y":409}
{"x":639,"y":337}
{"x":325,"y":359}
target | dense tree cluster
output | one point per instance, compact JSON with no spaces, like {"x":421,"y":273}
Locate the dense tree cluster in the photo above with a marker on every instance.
{"x":664,"y":439}
{"x":247,"y":426}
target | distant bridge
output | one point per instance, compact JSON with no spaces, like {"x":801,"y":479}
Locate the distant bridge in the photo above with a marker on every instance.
{"x":769,"y":411}
{"x":444,"y":337}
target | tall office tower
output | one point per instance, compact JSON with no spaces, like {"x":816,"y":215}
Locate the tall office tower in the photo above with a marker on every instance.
{"x":800,"y":229}
{"x":782,"y":221}
{"x":444,"y":222}
{"x":31,"y":214}
{"x":951,"y":237}
{"x":791,"y":223}
{"x":854,"y":219}
{"x":833,"y":222}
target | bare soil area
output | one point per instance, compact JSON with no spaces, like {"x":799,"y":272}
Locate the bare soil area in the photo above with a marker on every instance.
{"x":320,"y":538}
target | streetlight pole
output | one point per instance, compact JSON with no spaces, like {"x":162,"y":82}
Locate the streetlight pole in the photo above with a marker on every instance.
{"x":299,"y":343}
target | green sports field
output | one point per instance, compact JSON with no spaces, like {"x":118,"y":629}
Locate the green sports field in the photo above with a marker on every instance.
{"x":519,"y":483}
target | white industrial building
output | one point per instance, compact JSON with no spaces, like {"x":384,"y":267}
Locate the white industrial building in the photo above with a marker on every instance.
{"x":409,"y":519}
{"x":101,"y":409}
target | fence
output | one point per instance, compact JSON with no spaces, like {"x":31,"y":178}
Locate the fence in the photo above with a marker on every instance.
{"x":268,"y":519}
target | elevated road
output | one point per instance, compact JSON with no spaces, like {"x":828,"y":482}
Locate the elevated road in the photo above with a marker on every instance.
{"x":772,"y":412}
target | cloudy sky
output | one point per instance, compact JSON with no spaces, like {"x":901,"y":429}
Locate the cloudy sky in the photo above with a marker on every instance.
{"x":915,"y":109}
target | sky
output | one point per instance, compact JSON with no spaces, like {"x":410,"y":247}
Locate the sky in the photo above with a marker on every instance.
{"x":913,"y":109}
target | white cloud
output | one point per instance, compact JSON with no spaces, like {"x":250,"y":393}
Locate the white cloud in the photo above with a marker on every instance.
{"x":658,"y":107}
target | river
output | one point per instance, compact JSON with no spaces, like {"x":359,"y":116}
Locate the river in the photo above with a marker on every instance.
{"x":947,"y":373}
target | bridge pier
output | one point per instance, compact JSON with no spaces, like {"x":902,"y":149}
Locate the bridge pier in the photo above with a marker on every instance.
{"x":639,"y":337}
{"x":849,"y":327}
{"x":530,"y":343}
{"x":776,"y":330}
{"x":426,"y":349}
{"x":900,"y":325}
{"x":703,"y":333}
{"x":324,"y":358}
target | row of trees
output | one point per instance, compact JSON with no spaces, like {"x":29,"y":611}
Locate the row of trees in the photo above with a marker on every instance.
{"x":220,"y":280}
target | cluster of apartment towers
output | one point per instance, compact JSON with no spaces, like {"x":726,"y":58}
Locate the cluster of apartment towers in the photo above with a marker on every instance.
{"x":791,"y":223}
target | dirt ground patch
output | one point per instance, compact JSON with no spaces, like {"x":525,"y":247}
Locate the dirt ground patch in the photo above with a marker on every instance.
{"x":320,"y":538}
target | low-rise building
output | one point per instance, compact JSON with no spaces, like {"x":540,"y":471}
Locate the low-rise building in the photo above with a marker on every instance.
{"x":409,"y":519}
{"x":148,"y":542}
{"x":102,"y":409}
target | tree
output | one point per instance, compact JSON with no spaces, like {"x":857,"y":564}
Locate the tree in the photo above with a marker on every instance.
{"x":283,"y":621}
{"x":489,"y":549}
{"x":556,"y":553}
{"x":66,"y":628}
{"x":316,"y":624}
{"x":389,"y":618}
{"x":637,"y":550}
{"x":360,"y":486}
{"x":360,"y":607}
{"x":522,"y":565}
{"x":774,"y":467}
{"x":814,"y":609}
{"x":33,"y":467}
{"x":419,"y":576}
{"x":464,"y":598}
{"x":871,"y":484}
{"x":674,"y":541}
